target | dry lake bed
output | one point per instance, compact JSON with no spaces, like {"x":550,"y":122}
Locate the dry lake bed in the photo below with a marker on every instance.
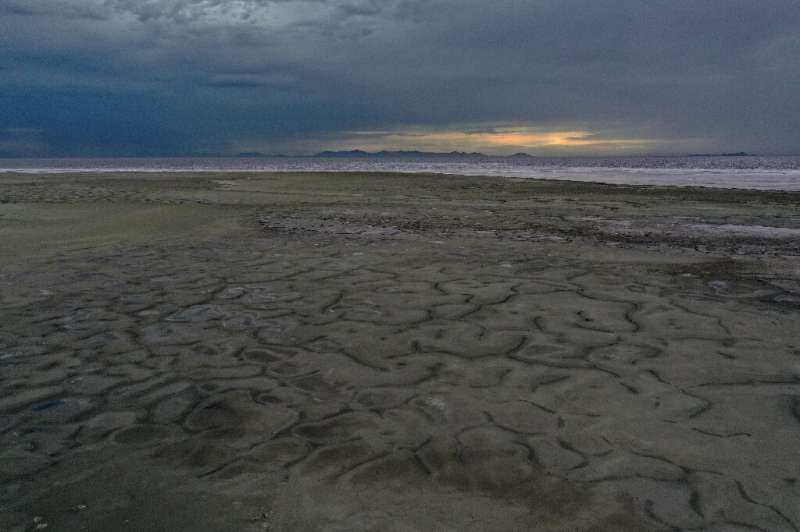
{"x":348,"y":352}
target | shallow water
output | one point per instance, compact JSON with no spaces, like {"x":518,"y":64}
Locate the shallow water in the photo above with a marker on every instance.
{"x":760,"y":173}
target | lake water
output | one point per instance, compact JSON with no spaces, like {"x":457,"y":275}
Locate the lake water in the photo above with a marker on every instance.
{"x":762,"y":173}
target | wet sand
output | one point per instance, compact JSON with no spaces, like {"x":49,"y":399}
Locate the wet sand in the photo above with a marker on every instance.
{"x":343,"y":352}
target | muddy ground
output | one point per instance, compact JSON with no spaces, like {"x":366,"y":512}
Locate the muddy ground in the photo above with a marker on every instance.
{"x":344,"y":352}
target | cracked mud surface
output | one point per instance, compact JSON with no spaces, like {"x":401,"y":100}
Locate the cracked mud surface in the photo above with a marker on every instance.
{"x":395,"y":353}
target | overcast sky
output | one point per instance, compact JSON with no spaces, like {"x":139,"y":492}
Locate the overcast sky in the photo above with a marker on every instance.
{"x":186,"y":77}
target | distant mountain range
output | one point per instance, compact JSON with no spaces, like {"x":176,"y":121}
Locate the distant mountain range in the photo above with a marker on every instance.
{"x":413,"y":154}
{"x":736,"y":154}
{"x":257,"y":154}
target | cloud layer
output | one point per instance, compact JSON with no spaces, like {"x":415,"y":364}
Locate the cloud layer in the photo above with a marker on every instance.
{"x":182,"y":77}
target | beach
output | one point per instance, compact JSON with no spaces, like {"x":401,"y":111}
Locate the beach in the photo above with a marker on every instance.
{"x":396,"y":352}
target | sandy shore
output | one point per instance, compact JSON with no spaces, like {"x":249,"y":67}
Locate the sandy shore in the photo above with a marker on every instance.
{"x":312,"y":352}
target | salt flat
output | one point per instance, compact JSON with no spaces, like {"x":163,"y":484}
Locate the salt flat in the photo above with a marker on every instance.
{"x":396,"y":352}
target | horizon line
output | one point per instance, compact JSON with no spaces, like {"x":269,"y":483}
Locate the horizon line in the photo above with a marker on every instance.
{"x":256,"y":155}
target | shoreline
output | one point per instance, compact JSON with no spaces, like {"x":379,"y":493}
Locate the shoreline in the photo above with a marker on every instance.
{"x":680,"y":177}
{"x":204,"y":174}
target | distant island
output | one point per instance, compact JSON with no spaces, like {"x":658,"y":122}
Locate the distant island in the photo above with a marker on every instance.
{"x":415,"y":154}
{"x":258,"y":154}
{"x":736,"y":154}
{"x":385,"y":154}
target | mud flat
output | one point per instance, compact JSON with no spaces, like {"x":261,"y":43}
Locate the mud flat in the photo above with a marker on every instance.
{"x":342,"y":352}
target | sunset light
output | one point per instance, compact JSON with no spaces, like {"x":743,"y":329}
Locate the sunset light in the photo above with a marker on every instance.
{"x":491,"y":140}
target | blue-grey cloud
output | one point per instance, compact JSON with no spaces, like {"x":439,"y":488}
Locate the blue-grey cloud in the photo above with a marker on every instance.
{"x":154,"y":77}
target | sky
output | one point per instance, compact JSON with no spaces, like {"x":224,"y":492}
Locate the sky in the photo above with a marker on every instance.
{"x":105,"y":78}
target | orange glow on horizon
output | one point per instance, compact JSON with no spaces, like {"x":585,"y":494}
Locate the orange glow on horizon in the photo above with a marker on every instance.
{"x":503,"y":138}
{"x":491,"y":140}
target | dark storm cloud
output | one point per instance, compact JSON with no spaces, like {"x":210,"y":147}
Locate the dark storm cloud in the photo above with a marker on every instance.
{"x":138,"y":77}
